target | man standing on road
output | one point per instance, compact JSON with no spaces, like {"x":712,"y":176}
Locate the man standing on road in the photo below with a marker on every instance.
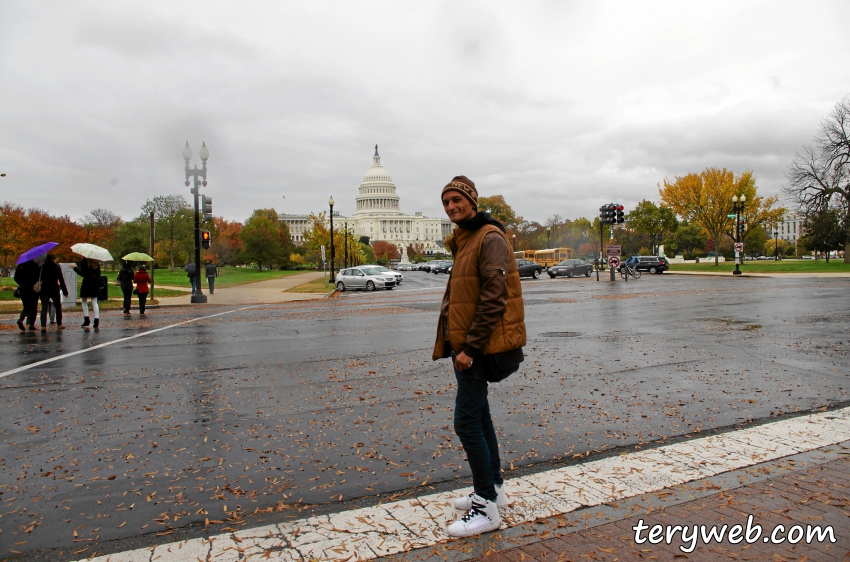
{"x":212,"y":273}
{"x":482,"y":328}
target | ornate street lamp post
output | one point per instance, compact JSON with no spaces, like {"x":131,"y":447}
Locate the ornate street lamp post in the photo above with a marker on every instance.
{"x":197,"y":295}
{"x":775,"y":245}
{"x":738,"y":207}
{"x":548,"y":236}
{"x":331,"y":203}
{"x":346,"y":244}
{"x":514,"y":243}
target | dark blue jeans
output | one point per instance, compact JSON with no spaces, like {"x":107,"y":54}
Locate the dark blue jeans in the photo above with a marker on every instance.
{"x":474,"y":428}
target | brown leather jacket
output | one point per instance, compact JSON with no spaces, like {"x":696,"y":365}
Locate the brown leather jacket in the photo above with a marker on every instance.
{"x":482,"y":310}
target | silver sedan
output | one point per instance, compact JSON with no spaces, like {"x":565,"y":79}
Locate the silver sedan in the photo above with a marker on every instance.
{"x":367,"y":278}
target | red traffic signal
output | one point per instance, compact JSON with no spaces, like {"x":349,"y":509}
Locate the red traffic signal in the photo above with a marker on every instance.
{"x":205,"y":239}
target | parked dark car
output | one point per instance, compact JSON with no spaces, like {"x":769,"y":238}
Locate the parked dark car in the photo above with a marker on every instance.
{"x":441,"y":267}
{"x":652,"y":264}
{"x":570,"y":268}
{"x":528,"y":268}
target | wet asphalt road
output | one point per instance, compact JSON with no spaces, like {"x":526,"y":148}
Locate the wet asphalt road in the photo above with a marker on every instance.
{"x":248,"y":416}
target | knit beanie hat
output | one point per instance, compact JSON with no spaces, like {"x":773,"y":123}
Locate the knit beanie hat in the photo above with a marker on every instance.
{"x":465,"y":187}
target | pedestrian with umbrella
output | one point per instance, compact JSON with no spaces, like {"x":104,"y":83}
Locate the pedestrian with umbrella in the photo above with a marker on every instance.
{"x":52,"y":281}
{"x":89,"y":269}
{"x":191,"y":273}
{"x":142,"y":279}
{"x":28,"y":278}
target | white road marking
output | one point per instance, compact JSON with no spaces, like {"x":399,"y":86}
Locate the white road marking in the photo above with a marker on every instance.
{"x":113,"y":342}
{"x":410,"y":524}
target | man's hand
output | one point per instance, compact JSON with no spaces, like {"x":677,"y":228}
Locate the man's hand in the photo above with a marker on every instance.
{"x":462,"y":361}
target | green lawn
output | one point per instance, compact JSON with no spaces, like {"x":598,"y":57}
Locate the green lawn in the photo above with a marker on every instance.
{"x":228,"y":276}
{"x":783,"y":266}
{"x":115,"y":294}
{"x":315,"y":286}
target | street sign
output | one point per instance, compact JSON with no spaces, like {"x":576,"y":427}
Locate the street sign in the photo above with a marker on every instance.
{"x":323,"y":253}
{"x":730,"y":216}
{"x":613,"y":262}
{"x":739,"y":246}
{"x":613,"y":250}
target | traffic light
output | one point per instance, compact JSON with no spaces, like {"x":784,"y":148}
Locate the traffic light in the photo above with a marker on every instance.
{"x":205,"y":239}
{"x":620,"y":218}
{"x":206,"y":208}
{"x":608,"y":214}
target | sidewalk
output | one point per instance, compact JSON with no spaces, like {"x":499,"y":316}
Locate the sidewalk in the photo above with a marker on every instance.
{"x":815,"y":496}
{"x":262,"y":292}
{"x":759,"y":274}
{"x":791,"y":472}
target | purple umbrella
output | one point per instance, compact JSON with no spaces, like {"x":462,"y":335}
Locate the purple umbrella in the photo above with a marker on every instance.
{"x":35,"y":252}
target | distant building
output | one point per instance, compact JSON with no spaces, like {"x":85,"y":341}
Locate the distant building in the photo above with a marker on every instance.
{"x":378,"y":216}
{"x":298,"y":225}
{"x":791,"y":227}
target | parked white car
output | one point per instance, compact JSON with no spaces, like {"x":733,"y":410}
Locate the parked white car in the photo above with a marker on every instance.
{"x":365,"y":278}
{"x":398,"y":276}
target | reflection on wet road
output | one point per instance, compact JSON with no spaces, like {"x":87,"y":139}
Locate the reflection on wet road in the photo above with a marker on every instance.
{"x":250,"y":415}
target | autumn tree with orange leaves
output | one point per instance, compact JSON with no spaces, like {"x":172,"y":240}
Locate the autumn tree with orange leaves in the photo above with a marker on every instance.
{"x":383,"y":248}
{"x":225,"y":243}
{"x":705,"y":199}
{"x":20,"y":230}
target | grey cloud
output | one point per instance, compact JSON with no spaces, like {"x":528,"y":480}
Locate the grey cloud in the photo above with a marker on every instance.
{"x":141,"y":35}
{"x":534,"y":102}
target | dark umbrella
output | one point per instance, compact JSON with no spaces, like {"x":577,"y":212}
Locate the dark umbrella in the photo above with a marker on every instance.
{"x":190,"y":268}
{"x":35,"y":252}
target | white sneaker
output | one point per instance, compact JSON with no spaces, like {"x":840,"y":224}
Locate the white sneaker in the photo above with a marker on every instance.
{"x":465,"y":502}
{"x":482,"y":517}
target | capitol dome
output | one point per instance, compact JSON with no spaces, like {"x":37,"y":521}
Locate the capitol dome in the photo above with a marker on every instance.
{"x":377,"y":192}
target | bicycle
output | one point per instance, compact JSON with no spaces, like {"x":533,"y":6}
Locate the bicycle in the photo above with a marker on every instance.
{"x":626,"y":270}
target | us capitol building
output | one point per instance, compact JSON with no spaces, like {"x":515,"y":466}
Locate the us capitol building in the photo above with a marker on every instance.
{"x":378,"y":216}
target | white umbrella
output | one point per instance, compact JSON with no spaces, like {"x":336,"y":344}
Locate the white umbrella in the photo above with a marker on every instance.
{"x":92,"y":252}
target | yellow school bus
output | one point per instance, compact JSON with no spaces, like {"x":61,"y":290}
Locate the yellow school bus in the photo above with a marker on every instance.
{"x":550,"y":257}
{"x":526,"y":255}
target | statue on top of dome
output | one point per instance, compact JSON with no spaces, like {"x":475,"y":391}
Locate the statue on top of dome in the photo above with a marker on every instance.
{"x":376,"y":150}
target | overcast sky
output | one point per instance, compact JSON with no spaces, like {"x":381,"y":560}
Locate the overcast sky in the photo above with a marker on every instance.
{"x":558,"y":106}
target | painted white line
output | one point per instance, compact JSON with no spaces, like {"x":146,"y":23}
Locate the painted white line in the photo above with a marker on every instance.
{"x":113,"y":342}
{"x":402,"y":526}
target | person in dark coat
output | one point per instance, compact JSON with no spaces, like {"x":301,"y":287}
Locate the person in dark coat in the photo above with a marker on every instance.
{"x":26,"y":276}
{"x":193,"y":278}
{"x":52,"y":281}
{"x":211,"y":272}
{"x":141,"y":279}
{"x":89,"y":270}
{"x":125,"y":278}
